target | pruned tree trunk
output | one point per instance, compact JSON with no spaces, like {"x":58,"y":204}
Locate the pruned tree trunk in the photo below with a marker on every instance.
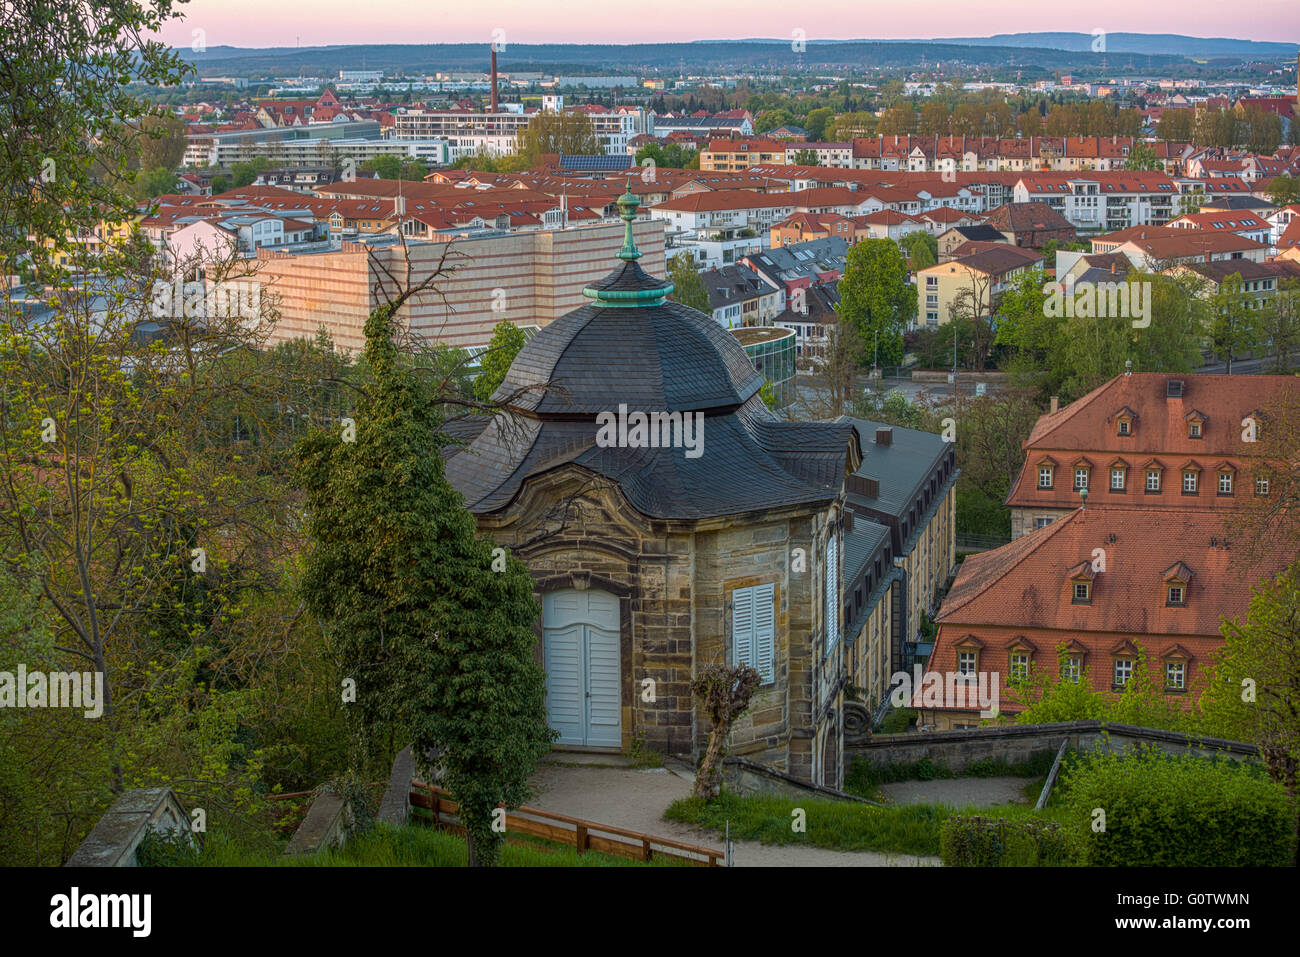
{"x":725,"y":693}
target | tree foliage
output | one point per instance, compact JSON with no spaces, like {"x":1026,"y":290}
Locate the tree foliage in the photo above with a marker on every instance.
{"x":560,"y":133}
{"x":70,"y":120}
{"x":876,"y":298}
{"x":437,"y":638}
{"x":688,"y":287}
{"x":507,"y":340}
{"x":1253,"y":691}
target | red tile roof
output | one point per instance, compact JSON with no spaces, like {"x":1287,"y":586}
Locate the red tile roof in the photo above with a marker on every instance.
{"x":1027,"y":583}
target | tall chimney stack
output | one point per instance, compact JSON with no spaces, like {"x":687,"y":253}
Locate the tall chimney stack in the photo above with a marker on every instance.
{"x":494,"y":76}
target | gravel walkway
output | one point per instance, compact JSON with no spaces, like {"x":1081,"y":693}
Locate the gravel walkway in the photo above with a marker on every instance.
{"x":636,"y":799}
{"x":957,"y":792}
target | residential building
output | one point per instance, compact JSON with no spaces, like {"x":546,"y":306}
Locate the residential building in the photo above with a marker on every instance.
{"x":739,"y":297}
{"x":739,"y":155}
{"x":1031,"y":225}
{"x":950,"y":239}
{"x":1145,"y":440}
{"x":1093,"y":597}
{"x":1242,"y":224}
{"x":971,"y":281}
{"x":1158,"y":248}
{"x":905,"y":483}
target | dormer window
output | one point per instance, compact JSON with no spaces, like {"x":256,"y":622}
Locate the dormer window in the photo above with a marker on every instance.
{"x":1153,"y":480}
{"x":1081,"y":477}
{"x":1125,"y":427}
{"x":1081,"y":578}
{"x":1046,"y":474}
{"x":1194,"y":430}
{"x":1123,"y":671}
{"x":1195,"y":424}
{"x":1226,"y":476}
{"x":1261,"y":484}
{"x":1176,"y":580}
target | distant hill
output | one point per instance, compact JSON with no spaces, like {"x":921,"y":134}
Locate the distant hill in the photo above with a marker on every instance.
{"x":757,"y":55}
{"x":1144,"y":43}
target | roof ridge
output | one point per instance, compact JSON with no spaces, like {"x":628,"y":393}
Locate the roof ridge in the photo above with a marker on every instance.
{"x":1033,"y":541}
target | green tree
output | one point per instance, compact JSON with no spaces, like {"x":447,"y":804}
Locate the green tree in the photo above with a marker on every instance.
{"x":1253,"y":690}
{"x":560,"y":133}
{"x":388,"y":167}
{"x":434,"y":628}
{"x":153,"y":182}
{"x":219,"y":184}
{"x":877,"y":299}
{"x":70,"y":117}
{"x":922,"y":248}
{"x":771,"y":119}
{"x":507,"y":340}
{"x":1284,"y":190}
{"x":1142,"y":156}
{"x":243,"y":174}
{"x":1279,"y":325}
{"x":688,"y":287}
{"x":1233,"y":327}
{"x":816,"y":122}
{"x":805,"y":158}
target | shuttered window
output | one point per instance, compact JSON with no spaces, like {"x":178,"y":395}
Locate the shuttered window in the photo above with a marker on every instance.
{"x":832,"y":594}
{"x":753,"y":629}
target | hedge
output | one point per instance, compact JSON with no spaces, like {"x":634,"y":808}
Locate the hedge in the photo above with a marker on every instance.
{"x":1163,"y":810}
{"x":997,"y":842}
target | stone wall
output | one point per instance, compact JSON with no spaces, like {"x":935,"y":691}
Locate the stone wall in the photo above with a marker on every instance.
{"x":135,"y":814}
{"x":1018,"y":743}
{"x":745,"y":778}
{"x":325,"y":826}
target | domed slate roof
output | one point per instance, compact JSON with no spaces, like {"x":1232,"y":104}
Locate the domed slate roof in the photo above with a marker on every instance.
{"x":633,"y":348}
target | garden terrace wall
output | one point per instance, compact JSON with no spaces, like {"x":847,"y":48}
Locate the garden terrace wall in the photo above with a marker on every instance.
{"x":1015,"y":744}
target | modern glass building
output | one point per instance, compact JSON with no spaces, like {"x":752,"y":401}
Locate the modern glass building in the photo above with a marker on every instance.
{"x":772,"y":350}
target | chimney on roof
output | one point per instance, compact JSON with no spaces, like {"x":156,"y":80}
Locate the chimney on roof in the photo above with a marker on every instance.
{"x":1056,"y":405}
{"x":885,"y":436}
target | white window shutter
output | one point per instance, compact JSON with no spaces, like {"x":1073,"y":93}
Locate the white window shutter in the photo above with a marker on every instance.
{"x":742,"y":626}
{"x":832,"y":593}
{"x":765,"y":631}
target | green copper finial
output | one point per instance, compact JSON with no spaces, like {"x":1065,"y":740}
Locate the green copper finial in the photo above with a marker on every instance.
{"x":627,"y":204}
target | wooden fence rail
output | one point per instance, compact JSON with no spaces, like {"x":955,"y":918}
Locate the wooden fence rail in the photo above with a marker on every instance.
{"x":569,"y":831}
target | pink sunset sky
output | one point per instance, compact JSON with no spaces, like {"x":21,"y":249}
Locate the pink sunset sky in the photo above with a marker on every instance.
{"x":264,"y":23}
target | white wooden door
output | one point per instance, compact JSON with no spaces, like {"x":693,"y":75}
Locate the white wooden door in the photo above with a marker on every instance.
{"x":583,"y":667}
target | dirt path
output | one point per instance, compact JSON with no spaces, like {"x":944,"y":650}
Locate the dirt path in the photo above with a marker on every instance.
{"x":636,"y":799}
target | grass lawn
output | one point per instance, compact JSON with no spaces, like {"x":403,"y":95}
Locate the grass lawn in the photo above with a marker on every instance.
{"x":387,"y":846}
{"x":841,"y":826}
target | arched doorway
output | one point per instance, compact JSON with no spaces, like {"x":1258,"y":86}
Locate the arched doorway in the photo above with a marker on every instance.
{"x":583,"y":667}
